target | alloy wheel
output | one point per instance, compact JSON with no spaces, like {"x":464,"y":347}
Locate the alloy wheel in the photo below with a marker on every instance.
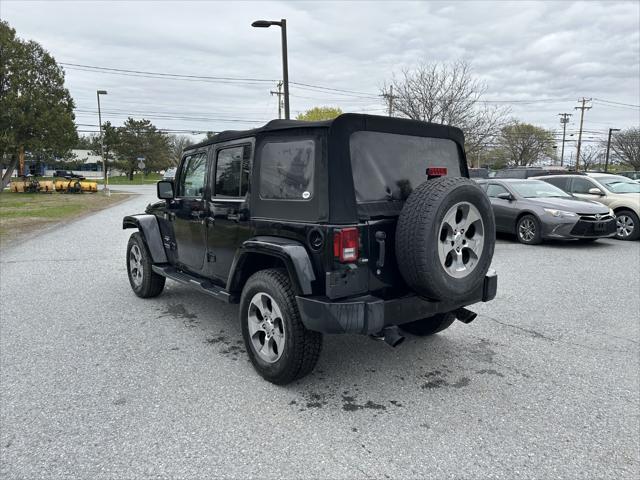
{"x":266,"y":327}
{"x":461,"y":239}
{"x":135,"y":265}
{"x":527,"y":230}
{"x":624,"y":225}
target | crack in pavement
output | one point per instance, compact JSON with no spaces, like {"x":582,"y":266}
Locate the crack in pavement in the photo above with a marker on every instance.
{"x":536,"y":334}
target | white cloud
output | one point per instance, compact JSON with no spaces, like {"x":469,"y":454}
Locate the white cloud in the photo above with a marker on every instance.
{"x":523,"y":50}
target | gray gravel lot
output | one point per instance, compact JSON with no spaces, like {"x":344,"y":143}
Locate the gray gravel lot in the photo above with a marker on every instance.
{"x":97,"y":383}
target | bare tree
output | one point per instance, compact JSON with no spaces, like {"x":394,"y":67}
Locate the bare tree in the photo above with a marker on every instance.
{"x":521,"y":144}
{"x":447,"y":93}
{"x":590,"y":156}
{"x":177,"y":144}
{"x":626,"y":145}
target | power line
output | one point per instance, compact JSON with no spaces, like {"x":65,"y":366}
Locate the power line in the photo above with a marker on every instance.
{"x":615,"y":103}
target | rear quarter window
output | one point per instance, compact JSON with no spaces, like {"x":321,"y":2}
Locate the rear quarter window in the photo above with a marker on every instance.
{"x":287,"y":170}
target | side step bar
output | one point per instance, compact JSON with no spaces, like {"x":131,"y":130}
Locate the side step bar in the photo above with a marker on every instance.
{"x":200,"y":284}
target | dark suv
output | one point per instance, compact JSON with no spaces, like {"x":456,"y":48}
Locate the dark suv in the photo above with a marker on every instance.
{"x":354,"y":225}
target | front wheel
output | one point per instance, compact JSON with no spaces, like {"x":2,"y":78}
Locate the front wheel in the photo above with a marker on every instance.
{"x":145,"y":283}
{"x":281,"y":349}
{"x":528,"y":230}
{"x":429,"y":326}
{"x":627,"y":225}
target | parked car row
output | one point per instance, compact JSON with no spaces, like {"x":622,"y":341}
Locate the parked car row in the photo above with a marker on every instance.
{"x":585,"y":207}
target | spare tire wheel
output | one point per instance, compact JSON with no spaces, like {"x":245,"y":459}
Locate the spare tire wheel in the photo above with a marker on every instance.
{"x":445,"y":238}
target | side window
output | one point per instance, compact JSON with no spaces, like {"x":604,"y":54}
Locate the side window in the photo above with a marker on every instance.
{"x":192,"y":176}
{"x":560,"y":182}
{"x":287,"y":170}
{"x":494,"y":190}
{"x":581,"y":185}
{"x":232,"y":171}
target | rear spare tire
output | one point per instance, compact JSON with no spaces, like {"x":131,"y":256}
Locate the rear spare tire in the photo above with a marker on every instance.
{"x":445,"y":238}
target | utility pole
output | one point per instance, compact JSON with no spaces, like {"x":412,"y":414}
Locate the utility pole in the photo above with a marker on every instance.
{"x":279,"y":94}
{"x":564,"y":119}
{"x":582,"y":108}
{"x":606,"y":161}
{"x":390,"y":97}
{"x":105,"y":186}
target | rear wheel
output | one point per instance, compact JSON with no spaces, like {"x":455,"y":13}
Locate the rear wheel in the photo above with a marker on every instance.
{"x":528,"y":230}
{"x":429,"y":326}
{"x":145,"y":283}
{"x":627,"y":225}
{"x":281,"y":349}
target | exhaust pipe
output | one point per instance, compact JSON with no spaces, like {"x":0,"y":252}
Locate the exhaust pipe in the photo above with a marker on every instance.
{"x":391,"y":336}
{"x":464,"y":315}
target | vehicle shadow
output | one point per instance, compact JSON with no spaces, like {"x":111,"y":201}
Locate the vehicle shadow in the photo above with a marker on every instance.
{"x":354,"y":372}
{"x":555,"y":243}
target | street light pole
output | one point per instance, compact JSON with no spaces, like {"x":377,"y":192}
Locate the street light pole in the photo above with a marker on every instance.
{"x":606,"y":161}
{"x":285,"y":63}
{"x":105,"y":187}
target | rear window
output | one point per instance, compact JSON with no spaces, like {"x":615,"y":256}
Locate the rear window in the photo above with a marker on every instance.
{"x":287,"y":170}
{"x":388,"y":166}
{"x":511,"y":174}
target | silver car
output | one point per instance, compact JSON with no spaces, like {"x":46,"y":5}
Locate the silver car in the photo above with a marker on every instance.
{"x":535,"y":210}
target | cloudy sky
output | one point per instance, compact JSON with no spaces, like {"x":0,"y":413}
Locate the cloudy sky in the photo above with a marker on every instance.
{"x":536,"y":57}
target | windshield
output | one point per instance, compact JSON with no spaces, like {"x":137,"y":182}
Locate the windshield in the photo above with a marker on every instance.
{"x":388,"y":166}
{"x":537,"y":189}
{"x":619,"y":184}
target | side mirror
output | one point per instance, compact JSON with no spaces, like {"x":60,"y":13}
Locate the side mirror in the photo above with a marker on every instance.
{"x":165,"y":190}
{"x":595,"y":191}
{"x":505,"y":196}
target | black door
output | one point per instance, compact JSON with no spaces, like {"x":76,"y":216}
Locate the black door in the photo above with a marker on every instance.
{"x":229,"y":207}
{"x":188,"y":213}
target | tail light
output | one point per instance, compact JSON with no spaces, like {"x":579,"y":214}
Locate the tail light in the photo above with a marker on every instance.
{"x":345,"y":244}
{"x":434,"y":172}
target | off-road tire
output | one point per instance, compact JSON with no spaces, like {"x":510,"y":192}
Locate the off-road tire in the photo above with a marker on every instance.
{"x":537,"y":238}
{"x":418,"y":234}
{"x":635,"y":234}
{"x":152,"y":283}
{"x":302,"y":347}
{"x":429,"y":326}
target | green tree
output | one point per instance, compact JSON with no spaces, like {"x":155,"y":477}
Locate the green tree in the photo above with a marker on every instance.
{"x":107,"y":145}
{"x":36,"y":110}
{"x":140,"y":138}
{"x":319,"y":113}
{"x":521,"y":144}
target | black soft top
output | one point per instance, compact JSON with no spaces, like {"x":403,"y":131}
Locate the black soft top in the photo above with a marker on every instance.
{"x":334,"y":169}
{"x":348,"y":122}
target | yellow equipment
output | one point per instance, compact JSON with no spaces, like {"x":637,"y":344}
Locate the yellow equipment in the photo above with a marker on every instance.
{"x":28,"y":184}
{"x":75,"y":185}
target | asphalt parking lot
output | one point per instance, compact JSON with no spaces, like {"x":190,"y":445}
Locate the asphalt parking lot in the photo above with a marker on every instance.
{"x":97,"y":383}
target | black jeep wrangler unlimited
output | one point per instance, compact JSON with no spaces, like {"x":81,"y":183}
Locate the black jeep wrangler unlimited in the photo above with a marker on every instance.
{"x":354,"y":225}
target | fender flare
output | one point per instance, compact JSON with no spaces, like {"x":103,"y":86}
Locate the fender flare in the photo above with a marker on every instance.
{"x":148,"y":225}
{"x":293,"y":254}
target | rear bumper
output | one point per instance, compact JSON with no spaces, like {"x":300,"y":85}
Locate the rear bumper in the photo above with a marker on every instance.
{"x":369,"y":314}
